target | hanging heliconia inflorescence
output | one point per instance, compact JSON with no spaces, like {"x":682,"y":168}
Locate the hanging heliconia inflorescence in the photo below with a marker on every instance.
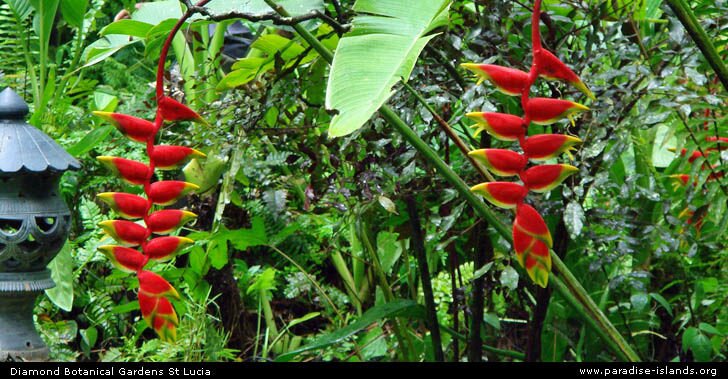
{"x":140,"y":243}
{"x":531,"y":237}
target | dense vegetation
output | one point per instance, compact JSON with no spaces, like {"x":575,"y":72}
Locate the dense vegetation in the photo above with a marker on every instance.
{"x":324,"y":235}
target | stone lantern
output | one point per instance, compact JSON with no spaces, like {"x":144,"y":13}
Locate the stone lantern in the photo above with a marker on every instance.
{"x":34,"y":224}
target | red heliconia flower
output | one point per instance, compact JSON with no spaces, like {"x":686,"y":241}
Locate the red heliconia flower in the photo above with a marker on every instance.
{"x":531,"y":241}
{"x":126,"y":233}
{"x":545,"y":111}
{"x":173,"y":110}
{"x":530,"y":222}
{"x":168,"y":220}
{"x":124,"y":258}
{"x":503,"y":126}
{"x":126,"y":205}
{"x":167,"y":157}
{"x":500,"y":161}
{"x":159,"y":313}
{"x":551,"y":67}
{"x":166,"y":192}
{"x":153,"y":285}
{"x":137,"y":129}
{"x":507,"y":80}
{"x":541,"y":147}
{"x":544,"y":178}
{"x":164,"y":248}
{"x":130,"y":171}
{"x":502,"y":194}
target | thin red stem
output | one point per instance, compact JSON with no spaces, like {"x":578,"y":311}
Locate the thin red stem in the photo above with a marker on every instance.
{"x":165,"y":49}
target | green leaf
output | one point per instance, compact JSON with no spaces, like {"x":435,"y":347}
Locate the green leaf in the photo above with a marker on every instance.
{"x":62,"y":274}
{"x":698,"y":343}
{"x":105,"y":102}
{"x":127,"y":27}
{"x":242,"y":239}
{"x":217,"y":251}
{"x":382,"y":48}
{"x":639,"y":301}
{"x":73,"y":11}
{"x":574,"y":219}
{"x":665,"y":304}
{"x":389,"y":249}
{"x":126,"y":307}
{"x":509,"y":278}
{"x":395,"y":308}
{"x":88,"y":142}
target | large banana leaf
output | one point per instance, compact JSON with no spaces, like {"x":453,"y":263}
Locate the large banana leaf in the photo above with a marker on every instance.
{"x":382,"y":47}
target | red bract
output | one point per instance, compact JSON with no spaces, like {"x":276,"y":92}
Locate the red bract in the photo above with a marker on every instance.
{"x":502,"y":194}
{"x":545,"y":111}
{"x":541,"y":147}
{"x":173,"y":110}
{"x":507,"y":80}
{"x":126,"y":205}
{"x":132,"y":172}
{"x":126,"y":233}
{"x":137,"y":129}
{"x":500,"y":161}
{"x":505,"y":127}
{"x":168,"y":220}
{"x":163,"y":248}
{"x":551,"y":67}
{"x":544,"y":178}
{"x":166,"y":157}
{"x":124,"y":258}
{"x":153,"y":285}
{"x":168,"y":191}
{"x":159,"y":313}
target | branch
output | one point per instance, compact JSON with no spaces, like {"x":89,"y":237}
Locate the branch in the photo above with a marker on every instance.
{"x":272,"y":16}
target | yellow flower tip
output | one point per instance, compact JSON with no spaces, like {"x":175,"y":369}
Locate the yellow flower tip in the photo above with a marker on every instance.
{"x":104,"y":115}
{"x":104,"y":159}
{"x":567,"y":168}
{"x":573,"y":140}
{"x":106,"y":249}
{"x":186,"y":240}
{"x":580,"y":107}
{"x":188,"y":215}
{"x":470,"y":66}
{"x":198,"y":154}
{"x":105,"y":195}
{"x":478,"y":188}
{"x":671,"y":149}
{"x":476,"y":153}
{"x":583,"y":88}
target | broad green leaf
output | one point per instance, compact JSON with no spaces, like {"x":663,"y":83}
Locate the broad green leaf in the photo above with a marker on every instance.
{"x":21,"y":8}
{"x":105,"y":102}
{"x":73,"y":11}
{"x":45,"y":14}
{"x":389,"y":249}
{"x":380,"y":50}
{"x":62,"y":274}
{"x":395,"y":308}
{"x":127,"y":27}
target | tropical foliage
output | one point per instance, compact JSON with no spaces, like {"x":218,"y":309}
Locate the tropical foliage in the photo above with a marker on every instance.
{"x":334,"y":214}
